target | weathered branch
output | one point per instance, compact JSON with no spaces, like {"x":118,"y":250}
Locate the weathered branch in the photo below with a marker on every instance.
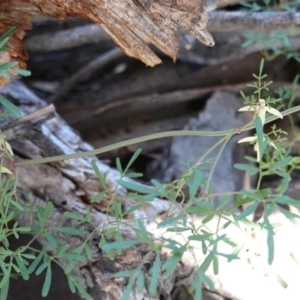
{"x":218,"y":22}
{"x":247,"y":21}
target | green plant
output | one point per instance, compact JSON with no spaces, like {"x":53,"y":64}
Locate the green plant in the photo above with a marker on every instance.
{"x":176,"y":221}
{"x":277,"y":42}
{"x":26,"y":260}
{"x":278,"y":162}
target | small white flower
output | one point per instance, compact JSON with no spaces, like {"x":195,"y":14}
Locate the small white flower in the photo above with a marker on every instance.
{"x":261,"y":110}
{"x":252,"y":139}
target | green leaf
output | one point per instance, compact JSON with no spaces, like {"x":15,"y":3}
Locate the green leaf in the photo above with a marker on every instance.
{"x":22,"y":267}
{"x":28,"y":256}
{"x":21,"y":72}
{"x":144,"y":198}
{"x":10,"y":107}
{"x":126,"y":273}
{"x":196,"y":288}
{"x":229,"y":242}
{"x":132,"y":159}
{"x":8,"y":66}
{"x":8,"y":33}
{"x":63,"y":249}
{"x":137,"y":187}
{"x":178,"y":229}
{"x":168,"y":221}
{"x":119,"y":245}
{"x":16,"y":205}
{"x":117,"y":207}
{"x":261,"y":67}
{"x":282,"y":163}
{"x":119,"y":166}
{"x":270,"y":232}
{"x":286,"y":200}
{"x":42,"y":267}
{"x":128,"y":289}
{"x":155,"y":272}
{"x":47,"y":282}
{"x":133,"y":208}
{"x":223,"y":201}
{"x":35,"y":263}
{"x":23,"y":229}
{"x":206,"y":263}
{"x":88,"y":213}
{"x":252,"y":159}
{"x":101,"y":177}
{"x":203,"y":208}
{"x":243,"y":95}
{"x":281,"y":281}
{"x":4,"y":288}
{"x":69,"y":268}
{"x":209,"y":217}
{"x":251,"y":169}
{"x":251,"y":195}
{"x":3,"y":41}
{"x":289,"y":215}
{"x":283,"y":186}
{"x":197,"y":237}
{"x":98,"y":197}
{"x":88,"y":251}
{"x":248,"y":211}
{"x":140,"y":281}
{"x":171,"y":263}
{"x":270,"y":241}
{"x":70,"y":230}
{"x":71,"y":284}
{"x":195,"y":182}
{"x":46,"y":213}
{"x":73,"y":256}
{"x":50,"y":239}
{"x":216,"y":265}
{"x":133,"y":175}
{"x":84,"y":293}
{"x":282,"y":174}
{"x":74,"y":216}
{"x":162,"y":191}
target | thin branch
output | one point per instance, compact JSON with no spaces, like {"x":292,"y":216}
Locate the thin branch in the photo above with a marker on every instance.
{"x":64,"y":39}
{"x":218,"y":21}
{"x":247,"y":21}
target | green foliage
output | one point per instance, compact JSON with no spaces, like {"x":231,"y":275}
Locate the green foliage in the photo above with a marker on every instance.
{"x":277,"y":42}
{"x":25,"y":261}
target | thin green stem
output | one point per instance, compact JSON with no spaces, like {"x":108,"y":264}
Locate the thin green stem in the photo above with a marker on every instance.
{"x":147,"y":138}
{"x":216,"y":160}
{"x":181,"y":182}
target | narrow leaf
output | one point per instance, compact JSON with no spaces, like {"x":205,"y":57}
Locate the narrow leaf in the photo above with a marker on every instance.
{"x":12,"y":109}
{"x":119,"y":245}
{"x":133,"y":158}
{"x":70,"y":230}
{"x":47,"y":282}
{"x":155,"y":270}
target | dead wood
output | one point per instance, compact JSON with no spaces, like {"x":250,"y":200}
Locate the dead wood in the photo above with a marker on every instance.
{"x":249,"y":21}
{"x":132,"y":25}
{"x":220,"y":21}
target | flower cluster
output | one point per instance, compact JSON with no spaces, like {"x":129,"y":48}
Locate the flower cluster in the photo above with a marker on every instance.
{"x":260,"y":111}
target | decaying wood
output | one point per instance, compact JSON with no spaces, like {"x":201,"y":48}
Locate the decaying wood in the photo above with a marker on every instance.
{"x":131,"y":24}
{"x":219,"y":21}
